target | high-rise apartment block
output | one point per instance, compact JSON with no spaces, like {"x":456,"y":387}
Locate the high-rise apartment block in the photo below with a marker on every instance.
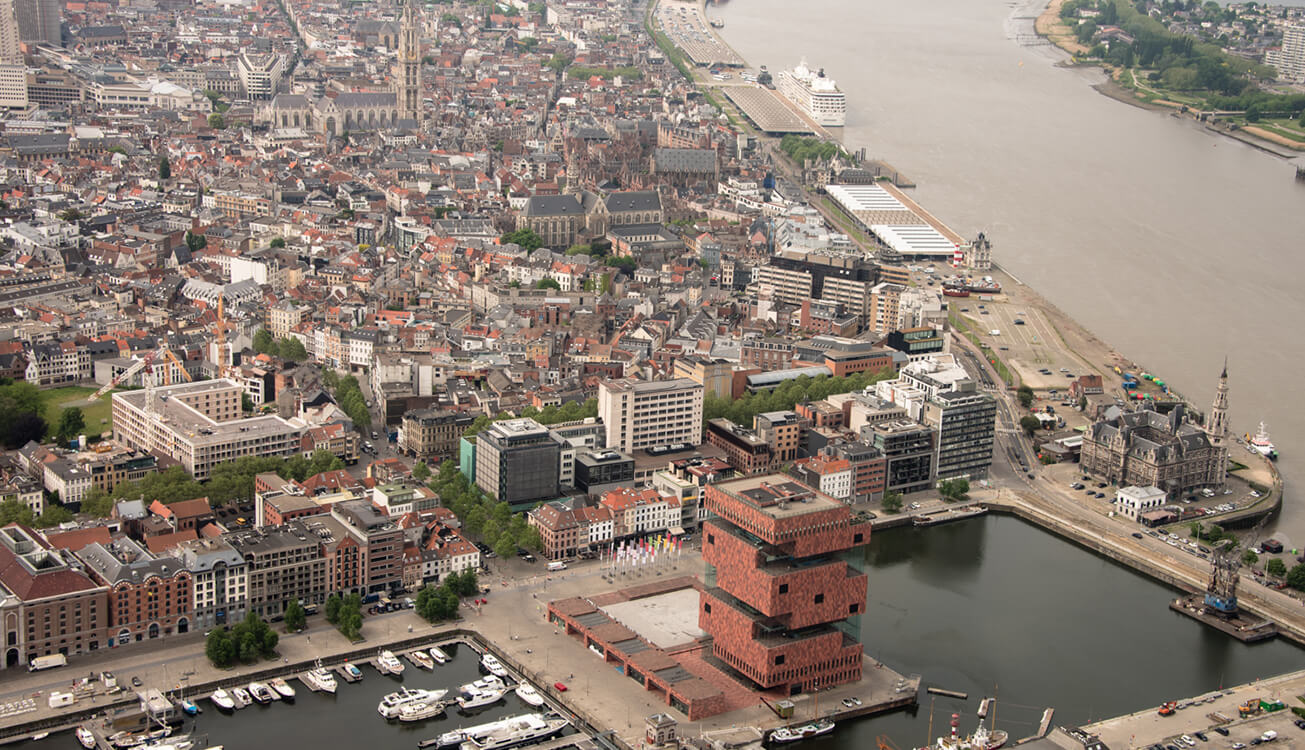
{"x":784,"y":610}
{"x":641,"y":415}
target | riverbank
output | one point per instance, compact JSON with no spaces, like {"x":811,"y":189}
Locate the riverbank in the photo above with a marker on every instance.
{"x":1051,"y":27}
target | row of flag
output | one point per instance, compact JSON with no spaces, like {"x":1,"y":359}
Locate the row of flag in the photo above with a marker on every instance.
{"x":641,"y":551}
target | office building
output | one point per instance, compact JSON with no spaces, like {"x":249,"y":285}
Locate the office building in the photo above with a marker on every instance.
{"x":199,"y":425}
{"x":11,"y":52}
{"x":517,"y":462}
{"x":908,"y":451}
{"x":716,"y":376}
{"x":640,"y":414}
{"x":965,"y":422}
{"x":785,"y":608}
{"x":221,"y":581}
{"x":149,"y":597}
{"x":782,"y":430}
{"x":792,"y":277}
{"x":39,"y":22}
{"x":260,"y":74}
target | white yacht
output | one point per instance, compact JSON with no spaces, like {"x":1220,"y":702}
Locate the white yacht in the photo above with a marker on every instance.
{"x":480,"y":698}
{"x":86,"y":738}
{"x":390,"y":704}
{"x":241,"y":697}
{"x":421,"y":710}
{"x":262,"y":693}
{"x":438,"y":655}
{"x":518,"y":730}
{"x":487,"y":682}
{"x":528,"y":693}
{"x":814,"y":94}
{"x":389,"y":663}
{"x":421,"y":659}
{"x":320,"y":679}
{"x":222,"y":699}
{"x":493,"y":665}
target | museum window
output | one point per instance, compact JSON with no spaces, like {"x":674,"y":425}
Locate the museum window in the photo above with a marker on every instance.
{"x":783,"y":588}
{"x":820,"y":598}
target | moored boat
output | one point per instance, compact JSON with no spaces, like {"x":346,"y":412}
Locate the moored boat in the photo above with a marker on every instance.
{"x":86,"y":737}
{"x":241,"y":697}
{"x":222,"y":699}
{"x":320,"y":679}
{"x":982,"y":739}
{"x":517,"y":730}
{"x":421,"y":659}
{"x":421,"y":710}
{"x":188,"y":706}
{"x":391,"y":704}
{"x":353,"y":671}
{"x":802,"y":731}
{"x":282,"y":688}
{"x":470,"y":700}
{"x":388,"y":663}
{"x":1262,"y":444}
{"x":493,"y":665}
{"x":528,"y":693}
{"x":438,"y":655}
{"x":262,"y":693}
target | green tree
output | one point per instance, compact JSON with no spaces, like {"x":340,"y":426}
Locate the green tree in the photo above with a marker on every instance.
{"x":1030,"y":424}
{"x":14,"y":511}
{"x":1082,"y":403}
{"x":526,"y":238}
{"x":71,"y":424}
{"x":333,"y":604}
{"x":1276,"y":568}
{"x":506,"y":546}
{"x":292,"y":349}
{"x":1249,"y":557}
{"x":530,"y":539}
{"x":277,"y":242}
{"x":548,"y":283}
{"x":246,"y":403}
{"x":22,"y":410}
{"x":98,"y":503}
{"x":1025,"y":396}
{"x":69,"y":215}
{"x":892,"y":502}
{"x":421,"y":471}
{"x":1296,"y":577}
{"x":53,"y":516}
{"x":263,"y":342}
{"x":954,"y":489}
{"x":165,"y":169}
{"x":216,"y":121}
{"x":220,"y":648}
{"x":295,"y":619}
{"x":195,"y":242}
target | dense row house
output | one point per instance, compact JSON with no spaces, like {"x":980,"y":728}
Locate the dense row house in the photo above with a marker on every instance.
{"x":161,"y":570}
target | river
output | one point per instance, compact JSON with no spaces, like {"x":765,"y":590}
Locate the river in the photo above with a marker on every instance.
{"x":1174,"y":245}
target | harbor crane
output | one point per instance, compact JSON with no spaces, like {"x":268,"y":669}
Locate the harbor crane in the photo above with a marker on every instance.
{"x":1221,"y":592}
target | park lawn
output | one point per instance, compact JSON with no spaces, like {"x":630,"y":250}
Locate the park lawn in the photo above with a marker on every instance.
{"x":56,"y":398}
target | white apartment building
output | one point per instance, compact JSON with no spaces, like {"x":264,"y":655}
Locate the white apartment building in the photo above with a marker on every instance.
{"x":200,"y":425}
{"x":221,"y":581}
{"x":639,"y":414}
{"x":13,"y":86}
{"x":1290,"y":60}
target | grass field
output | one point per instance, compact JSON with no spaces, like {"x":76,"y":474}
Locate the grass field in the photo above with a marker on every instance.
{"x":57,"y":398}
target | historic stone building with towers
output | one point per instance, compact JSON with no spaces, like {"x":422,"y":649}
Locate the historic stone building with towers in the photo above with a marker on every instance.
{"x":1147,"y":447}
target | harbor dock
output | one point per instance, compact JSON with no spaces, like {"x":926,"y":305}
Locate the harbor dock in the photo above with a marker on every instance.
{"x":1244,"y":627}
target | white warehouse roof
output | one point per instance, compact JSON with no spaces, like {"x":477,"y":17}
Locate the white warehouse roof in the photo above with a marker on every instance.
{"x":914,"y":239}
{"x":855,"y":198}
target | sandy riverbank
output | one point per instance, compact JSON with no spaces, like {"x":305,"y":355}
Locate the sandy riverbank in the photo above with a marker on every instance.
{"x":1050,"y":25}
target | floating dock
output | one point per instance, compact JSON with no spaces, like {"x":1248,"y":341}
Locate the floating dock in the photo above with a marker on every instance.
{"x":948,"y":693}
{"x":1245,"y":627}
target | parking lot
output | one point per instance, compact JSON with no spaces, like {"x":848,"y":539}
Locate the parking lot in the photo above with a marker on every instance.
{"x":1031,"y":347}
{"x":687,"y":28}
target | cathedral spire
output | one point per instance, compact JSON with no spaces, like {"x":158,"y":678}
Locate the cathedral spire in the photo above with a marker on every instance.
{"x":407,"y":79}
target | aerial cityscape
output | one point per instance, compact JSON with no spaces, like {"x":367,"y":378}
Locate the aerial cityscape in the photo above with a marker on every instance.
{"x":616,"y":374}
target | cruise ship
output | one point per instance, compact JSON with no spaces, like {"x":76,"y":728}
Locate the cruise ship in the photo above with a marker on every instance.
{"x":814,"y":94}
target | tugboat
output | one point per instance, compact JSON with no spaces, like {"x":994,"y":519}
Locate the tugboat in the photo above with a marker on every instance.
{"x":1263,"y":445}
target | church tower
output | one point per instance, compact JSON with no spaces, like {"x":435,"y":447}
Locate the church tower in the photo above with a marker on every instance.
{"x":407,"y":80}
{"x":1217,"y":425}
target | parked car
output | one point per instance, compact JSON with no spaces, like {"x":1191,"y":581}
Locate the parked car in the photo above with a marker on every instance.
{"x":561,"y":687}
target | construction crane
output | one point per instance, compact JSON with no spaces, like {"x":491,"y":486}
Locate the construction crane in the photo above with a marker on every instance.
{"x":145,"y":363}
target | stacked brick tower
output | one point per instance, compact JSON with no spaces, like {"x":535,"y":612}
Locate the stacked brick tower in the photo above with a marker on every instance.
{"x":782,"y":605}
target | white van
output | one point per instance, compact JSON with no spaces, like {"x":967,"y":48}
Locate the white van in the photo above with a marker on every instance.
{"x":557,"y":566}
{"x":59,"y":700}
